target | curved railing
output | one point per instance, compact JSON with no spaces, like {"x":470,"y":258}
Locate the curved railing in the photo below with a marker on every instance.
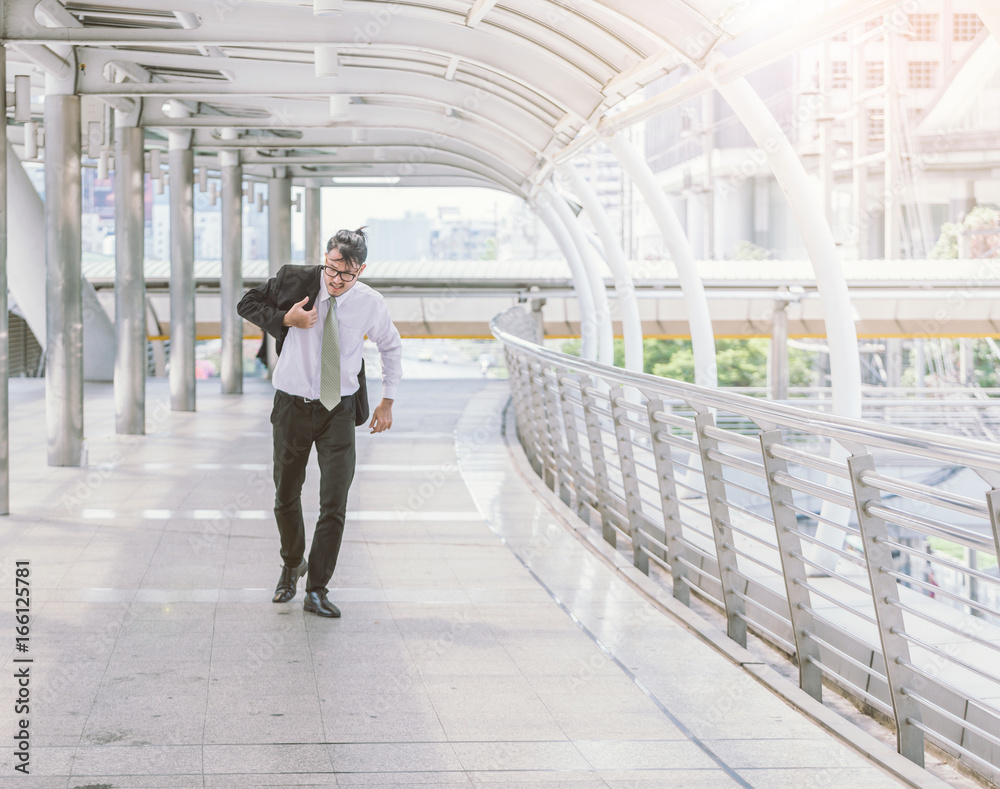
{"x":866,"y":553}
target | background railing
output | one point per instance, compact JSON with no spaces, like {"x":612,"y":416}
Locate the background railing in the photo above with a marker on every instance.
{"x":867,"y":553}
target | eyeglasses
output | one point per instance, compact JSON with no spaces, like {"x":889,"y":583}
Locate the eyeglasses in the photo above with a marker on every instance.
{"x":345,"y":276}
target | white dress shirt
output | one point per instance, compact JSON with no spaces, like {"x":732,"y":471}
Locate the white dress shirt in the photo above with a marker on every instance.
{"x":360,"y":311}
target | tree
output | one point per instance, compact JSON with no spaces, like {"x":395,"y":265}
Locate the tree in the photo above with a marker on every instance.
{"x":980,"y":218}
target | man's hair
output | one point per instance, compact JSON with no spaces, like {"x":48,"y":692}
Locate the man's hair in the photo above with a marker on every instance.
{"x":351,"y":244}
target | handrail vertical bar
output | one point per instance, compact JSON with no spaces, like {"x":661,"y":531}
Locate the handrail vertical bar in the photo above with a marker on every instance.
{"x":673,"y":538}
{"x":554,"y":434}
{"x":715,"y":493}
{"x":793,"y":568}
{"x":598,"y":463}
{"x":993,"y":504}
{"x":573,"y":447}
{"x":630,"y":482}
{"x":539,"y":416}
{"x":885,"y":592}
{"x":516,"y":364}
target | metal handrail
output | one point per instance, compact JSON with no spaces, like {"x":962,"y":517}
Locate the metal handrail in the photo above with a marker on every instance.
{"x":833,"y":517}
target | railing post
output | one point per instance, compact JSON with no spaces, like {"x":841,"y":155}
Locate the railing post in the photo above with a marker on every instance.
{"x":591,"y":419}
{"x":529,"y":432}
{"x":672,"y":537}
{"x":793,"y":568}
{"x":885,"y":595}
{"x":554,"y":430}
{"x":630,"y":482}
{"x":993,"y":503}
{"x":573,"y":447}
{"x":522,"y":399}
{"x":715,"y":493}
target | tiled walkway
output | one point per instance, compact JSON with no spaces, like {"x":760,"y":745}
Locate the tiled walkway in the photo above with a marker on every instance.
{"x":481,"y":644}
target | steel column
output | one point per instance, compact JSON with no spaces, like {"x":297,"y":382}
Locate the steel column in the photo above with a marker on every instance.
{"x":64,"y":282}
{"x":602,"y":310}
{"x":793,"y":568}
{"x":885,"y":595}
{"x":715,"y":494}
{"x":695,"y":300}
{"x":624,"y":288}
{"x":130,"y":282}
{"x":231,"y":280}
{"x":672,"y":536}
{"x":182,"y":316}
{"x":845,"y":362}
{"x":581,"y":283}
{"x":279,"y":239}
{"x":4,"y":329}
{"x":279,"y":223}
{"x":315,"y":247}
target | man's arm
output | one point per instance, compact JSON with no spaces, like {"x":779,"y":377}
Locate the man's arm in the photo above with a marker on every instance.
{"x":390,"y":348}
{"x":260,"y":306}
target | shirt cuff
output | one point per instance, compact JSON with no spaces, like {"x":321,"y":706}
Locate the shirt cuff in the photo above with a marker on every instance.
{"x":388,"y":392}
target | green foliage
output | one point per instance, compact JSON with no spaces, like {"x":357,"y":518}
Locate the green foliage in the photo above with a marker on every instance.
{"x":979,"y":218}
{"x":489,"y":249}
{"x":747,"y":250}
{"x":740,"y":362}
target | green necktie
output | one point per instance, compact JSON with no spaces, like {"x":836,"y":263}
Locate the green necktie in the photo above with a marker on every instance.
{"x":329,"y":374}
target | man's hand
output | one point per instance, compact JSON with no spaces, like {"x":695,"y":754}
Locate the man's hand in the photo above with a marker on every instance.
{"x":300,"y":317}
{"x":381,"y":417}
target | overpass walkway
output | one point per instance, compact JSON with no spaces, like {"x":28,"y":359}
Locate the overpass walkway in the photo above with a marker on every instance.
{"x":482,"y":643}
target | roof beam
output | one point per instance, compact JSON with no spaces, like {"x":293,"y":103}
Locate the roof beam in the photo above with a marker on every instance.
{"x":479,"y":9}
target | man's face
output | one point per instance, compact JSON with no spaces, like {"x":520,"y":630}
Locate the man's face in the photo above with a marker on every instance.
{"x":334,"y":271}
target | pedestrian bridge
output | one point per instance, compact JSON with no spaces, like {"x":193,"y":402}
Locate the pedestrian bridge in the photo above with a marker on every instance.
{"x":490,"y":636}
{"x":455,"y":298}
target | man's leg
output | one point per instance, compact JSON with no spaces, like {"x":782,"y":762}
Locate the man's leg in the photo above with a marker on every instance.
{"x":336,"y":455}
{"x":292,"y":429}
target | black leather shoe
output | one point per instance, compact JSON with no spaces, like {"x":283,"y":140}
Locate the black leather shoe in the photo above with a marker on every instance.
{"x":317,"y":603}
{"x":285,"y":590}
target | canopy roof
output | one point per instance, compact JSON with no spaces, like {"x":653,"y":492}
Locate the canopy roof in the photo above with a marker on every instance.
{"x":433,"y":92}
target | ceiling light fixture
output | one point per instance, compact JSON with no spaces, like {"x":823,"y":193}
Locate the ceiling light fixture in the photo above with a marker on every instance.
{"x":340,"y":106}
{"x":328,"y":7}
{"x":327,"y":61}
{"x":366,"y":179}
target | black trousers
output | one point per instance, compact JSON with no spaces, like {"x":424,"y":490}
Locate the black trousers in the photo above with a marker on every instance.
{"x":297,"y":425}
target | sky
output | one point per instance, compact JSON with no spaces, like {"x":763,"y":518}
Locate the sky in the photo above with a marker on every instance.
{"x":353,"y":206}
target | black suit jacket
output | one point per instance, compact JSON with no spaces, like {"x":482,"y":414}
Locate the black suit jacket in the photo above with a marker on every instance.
{"x":265,"y":306}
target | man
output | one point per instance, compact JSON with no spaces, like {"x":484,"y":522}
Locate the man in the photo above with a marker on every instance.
{"x":319,"y":316}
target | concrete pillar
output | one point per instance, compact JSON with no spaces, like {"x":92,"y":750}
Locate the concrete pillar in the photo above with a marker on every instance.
{"x":778,"y":357}
{"x":958,"y":207}
{"x":130,"y":283}
{"x":63,"y":282}
{"x":893,"y":163}
{"x":4,"y":333}
{"x":231,"y":281}
{"x":894,"y":361}
{"x":315,"y":244}
{"x":920,"y":362}
{"x":182,"y":318}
